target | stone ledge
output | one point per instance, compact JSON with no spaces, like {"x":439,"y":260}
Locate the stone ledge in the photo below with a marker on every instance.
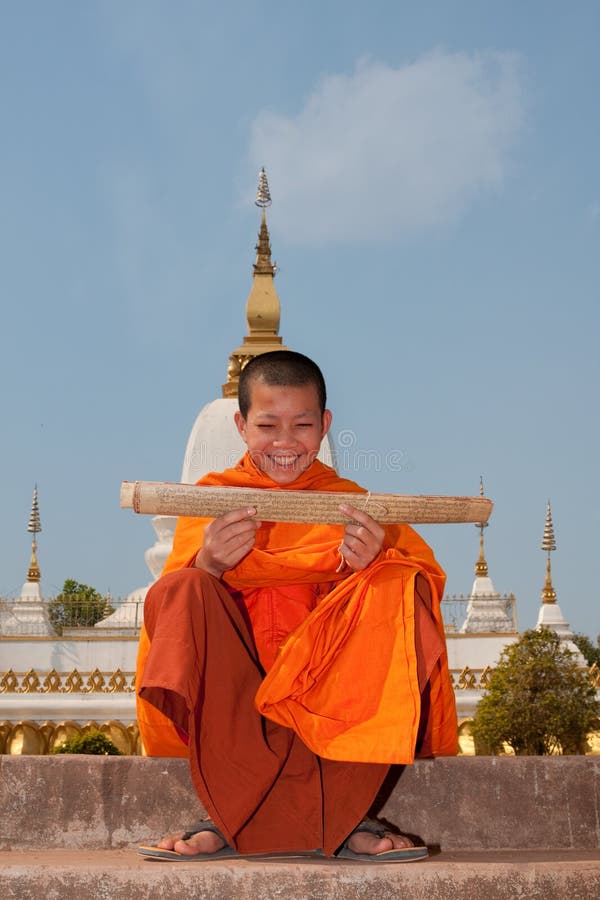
{"x":462,"y":803}
{"x":121,"y":875}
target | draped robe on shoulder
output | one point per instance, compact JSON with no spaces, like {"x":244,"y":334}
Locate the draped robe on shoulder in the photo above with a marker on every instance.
{"x":338,"y":648}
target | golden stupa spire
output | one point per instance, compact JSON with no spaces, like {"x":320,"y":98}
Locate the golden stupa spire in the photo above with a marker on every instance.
{"x":262,"y":307}
{"x":481,"y":566}
{"x":548,"y":544}
{"x":34,"y":527}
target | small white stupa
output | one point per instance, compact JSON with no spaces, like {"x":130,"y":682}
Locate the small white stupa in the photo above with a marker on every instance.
{"x":550,"y":615}
{"x":487,"y":611}
{"x":27,"y":614}
{"x":214,"y":443}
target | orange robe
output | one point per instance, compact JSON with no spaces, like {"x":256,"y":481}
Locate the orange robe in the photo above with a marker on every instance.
{"x":340,"y":648}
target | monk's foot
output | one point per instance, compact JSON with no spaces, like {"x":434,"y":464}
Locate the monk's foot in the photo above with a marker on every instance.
{"x":202,"y":842}
{"x":363,"y":842}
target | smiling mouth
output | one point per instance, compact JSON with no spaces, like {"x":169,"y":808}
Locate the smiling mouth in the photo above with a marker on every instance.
{"x":284,"y":462}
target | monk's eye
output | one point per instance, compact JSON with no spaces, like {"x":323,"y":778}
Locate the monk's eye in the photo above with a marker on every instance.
{"x":262,"y":425}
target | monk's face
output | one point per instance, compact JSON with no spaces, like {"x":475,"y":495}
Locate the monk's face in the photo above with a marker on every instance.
{"x":284,"y":429}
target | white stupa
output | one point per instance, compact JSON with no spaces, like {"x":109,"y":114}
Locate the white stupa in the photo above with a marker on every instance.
{"x":214,"y":443}
{"x":27,"y":614}
{"x":487,"y":611}
{"x":550,"y":615}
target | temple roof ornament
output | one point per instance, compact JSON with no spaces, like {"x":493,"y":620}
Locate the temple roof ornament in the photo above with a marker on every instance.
{"x":550,"y":614}
{"x":263,"y":309}
{"x":34,"y":527}
{"x":548,"y":544}
{"x":27,"y":614}
{"x":487,"y":611}
{"x":481,"y":566}
{"x":263,"y":194}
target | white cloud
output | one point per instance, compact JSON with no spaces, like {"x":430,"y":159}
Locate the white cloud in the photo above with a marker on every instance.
{"x":384,"y":152}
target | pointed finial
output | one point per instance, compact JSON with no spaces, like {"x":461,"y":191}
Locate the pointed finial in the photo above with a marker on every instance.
{"x":35,"y":524}
{"x":548,"y":544}
{"x":262,"y":307}
{"x":263,"y":264}
{"x":263,"y":195}
{"x":34,"y":527}
{"x":481,"y":566}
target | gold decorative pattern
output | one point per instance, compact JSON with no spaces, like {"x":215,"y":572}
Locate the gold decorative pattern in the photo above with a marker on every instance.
{"x":96,"y":682}
{"x":31,"y":683}
{"x":51,"y":683}
{"x":9,"y":683}
{"x":467,"y":680}
{"x":26,"y":737}
{"x":73,"y":682}
{"x":484,"y":679}
{"x":117,"y":683}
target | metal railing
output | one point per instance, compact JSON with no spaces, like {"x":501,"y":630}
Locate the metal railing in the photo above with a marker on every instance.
{"x":59,"y":616}
{"x":454,"y":609}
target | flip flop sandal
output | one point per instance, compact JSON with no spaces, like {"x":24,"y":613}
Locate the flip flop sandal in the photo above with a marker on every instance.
{"x":370,"y":826}
{"x":206,"y":825}
{"x":225,"y":852}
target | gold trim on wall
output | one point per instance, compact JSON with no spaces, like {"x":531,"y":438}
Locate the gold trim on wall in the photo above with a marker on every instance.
{"x":73,"y":682}
{"x":38,"y":739}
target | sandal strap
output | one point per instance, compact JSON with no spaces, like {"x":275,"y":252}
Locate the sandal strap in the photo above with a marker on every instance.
{"x":370,"y":826}
{"x":204,"y":825}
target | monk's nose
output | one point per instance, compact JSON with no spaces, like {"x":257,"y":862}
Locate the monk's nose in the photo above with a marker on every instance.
{"x":284,"y":440}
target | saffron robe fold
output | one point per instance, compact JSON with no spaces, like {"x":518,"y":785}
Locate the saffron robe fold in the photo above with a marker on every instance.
{"x":340,"y":648}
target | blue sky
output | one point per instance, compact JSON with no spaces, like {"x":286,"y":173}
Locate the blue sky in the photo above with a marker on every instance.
{"x":436,"y":220}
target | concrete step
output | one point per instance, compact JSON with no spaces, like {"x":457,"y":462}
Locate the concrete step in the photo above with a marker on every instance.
{"x":461,"y":804}
{"x":123,"y":875}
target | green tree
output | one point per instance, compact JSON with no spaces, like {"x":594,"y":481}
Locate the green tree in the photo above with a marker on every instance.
{"x":93,"y":742}
{"x":538,"y":701}
{"x":78,"y":606}
{"x":589,"y":651}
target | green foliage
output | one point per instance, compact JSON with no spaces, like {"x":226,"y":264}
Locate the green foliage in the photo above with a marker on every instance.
{"x":589,"y":651}
{"x":538,"y":701}
{"x":78,"y":606}
{"x":93,"y":742}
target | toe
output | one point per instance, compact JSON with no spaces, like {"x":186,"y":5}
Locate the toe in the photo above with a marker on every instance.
{"x":169,"y":841}
{"x":399,"y":841}
{"x":202,"y":842}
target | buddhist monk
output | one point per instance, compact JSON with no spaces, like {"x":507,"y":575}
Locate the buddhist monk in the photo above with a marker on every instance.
{"x":292,"y":664}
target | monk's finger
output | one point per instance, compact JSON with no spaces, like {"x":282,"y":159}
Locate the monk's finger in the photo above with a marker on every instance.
{"x":235,"y":554}
{"x":227,"y":519}
{"x":225,"y":546}
{"x":242,"y":539}
{"x":363,"y":519}
{"x":219,"y":532}
{"x":362,"y":534}
{"x":352,"y":551}
{"x":247,"y":527}
{"x":364,"y":542}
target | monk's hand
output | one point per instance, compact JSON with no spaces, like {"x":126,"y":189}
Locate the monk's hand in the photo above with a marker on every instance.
{"x":363,"y":538}
{"x":227,"y":540}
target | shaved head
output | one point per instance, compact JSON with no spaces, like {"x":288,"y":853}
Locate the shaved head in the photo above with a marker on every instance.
{"x":280,"y":368}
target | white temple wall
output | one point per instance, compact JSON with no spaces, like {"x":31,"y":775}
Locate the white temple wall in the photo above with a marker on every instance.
{"x":65,"y":654}
{"x":476,"y":650}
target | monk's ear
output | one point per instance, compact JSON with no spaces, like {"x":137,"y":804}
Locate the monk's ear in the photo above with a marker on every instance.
{"x":326,"y":422}
{"x":240,"y":423}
